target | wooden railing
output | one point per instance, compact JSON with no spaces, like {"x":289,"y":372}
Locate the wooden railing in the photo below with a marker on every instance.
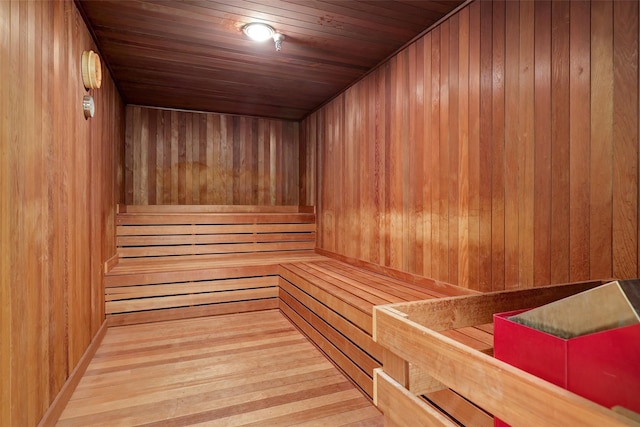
{"x":423,"y":360}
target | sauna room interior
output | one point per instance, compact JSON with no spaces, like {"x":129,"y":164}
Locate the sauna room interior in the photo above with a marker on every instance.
{"x":317,"y":229}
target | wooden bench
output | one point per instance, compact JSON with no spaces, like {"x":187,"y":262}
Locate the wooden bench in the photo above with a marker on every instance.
{"x":456,"y":384}
{"x":188,"y":261}
{"x":332,"y":303}
{"x":185,"y":261}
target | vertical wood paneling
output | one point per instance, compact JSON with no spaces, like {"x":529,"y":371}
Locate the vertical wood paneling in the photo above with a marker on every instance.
{"x":419,"y":157}
{"x":181,"y":157}
{"x":560,"y":159}
{"x":379,"y":174}
{"x":427,"y":189}
{"x":542,"y":138}
{"x":524,"y":170}
{"x":474,"y":152}
{"x":486,"y":145}
{"x":435,"y":258}
{"x":601,"y":167}
{"x":59,"y":186}
{"x":526,"y":151}
{"x":453,"y":241}
{"x":580,"y":132}
{"x":498,"y":149}
{"x":442,"y":258}
{"x":625,"y":139}
{"x":464,"y":193}
{"x":512,"y":143}
{"x":386,"y":161}
{"x":5,"y":224}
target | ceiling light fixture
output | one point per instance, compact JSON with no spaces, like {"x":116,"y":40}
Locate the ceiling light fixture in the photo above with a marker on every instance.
{"x":260,"y":32}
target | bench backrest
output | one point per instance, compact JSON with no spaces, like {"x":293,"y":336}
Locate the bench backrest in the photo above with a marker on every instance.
{"x":188,"y":231}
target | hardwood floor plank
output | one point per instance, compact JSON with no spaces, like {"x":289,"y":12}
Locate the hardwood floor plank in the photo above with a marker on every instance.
{"x":241,"y":369}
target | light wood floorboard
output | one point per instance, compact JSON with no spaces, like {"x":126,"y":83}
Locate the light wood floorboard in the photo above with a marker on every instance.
{"x":251,"y":369}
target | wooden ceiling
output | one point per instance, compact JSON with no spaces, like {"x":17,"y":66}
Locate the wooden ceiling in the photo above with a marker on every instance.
{"x":193,"y":54}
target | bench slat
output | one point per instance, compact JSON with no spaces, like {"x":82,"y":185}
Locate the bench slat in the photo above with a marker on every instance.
{"x":164,"y":209}
{"x":410,"y":291}
{"x":190,"y":312}
{"x":224,"y":248}
{"x":176,"y":275}
{"x":167,"y":230}
{"x":130,"y":292}
{"x":215,"y":218}
{"x":243,"y":263}
{"x":189,"y":239}
{"x":387,"y":294}
{"x":123,"y":306}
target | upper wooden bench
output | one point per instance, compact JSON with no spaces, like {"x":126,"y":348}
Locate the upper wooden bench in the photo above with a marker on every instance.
{"x":183,"y":261}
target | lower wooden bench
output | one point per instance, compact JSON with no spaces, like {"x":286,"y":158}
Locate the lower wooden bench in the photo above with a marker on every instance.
{"x":332,"y":302}
{"x":155,"y":290}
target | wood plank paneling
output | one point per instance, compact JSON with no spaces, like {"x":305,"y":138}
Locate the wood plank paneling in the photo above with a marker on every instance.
{"x":194,"y":56}
{"x":485,"y":149}
{"x":601,"y":179}
{"x":542,"y":138}
{"x":497,"y":241}
{"x":560,"y":160}
{"x":625,"y":139}
{"x":579,"y":134}
{"x":5,"y":224}
{"x":527,"y":154}
{"x":178,"y":157}
{"x":60,"y":181}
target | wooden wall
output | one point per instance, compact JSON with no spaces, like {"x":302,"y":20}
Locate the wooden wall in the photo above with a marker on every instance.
{"x":59,"y":183}
{"x":176,"y":157}
{"x":500,"y":150}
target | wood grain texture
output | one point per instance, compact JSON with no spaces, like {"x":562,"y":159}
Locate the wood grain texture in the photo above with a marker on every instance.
{"x":242,"y":369}
{"x":580,"y":140}
{"x":60,"y":183}
{"x":52,"y":415}
{"x":529,"y":145}
{"x":6,"y":357}
{"x":179,"y":157}
{"x":601,"y":180}
{"x":504,"y":391}
{"x":332,"y":303}
{"x":174,"y":260}
{"x":625,"y":139}
{"x":194,"y":56}
{"x":542,"y":141}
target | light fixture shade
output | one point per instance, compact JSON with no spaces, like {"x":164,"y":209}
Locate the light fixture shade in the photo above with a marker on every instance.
{"x":258,"y":31}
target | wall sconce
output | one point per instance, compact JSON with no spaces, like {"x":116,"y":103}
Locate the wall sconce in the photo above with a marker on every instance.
{"x":260,"y":32}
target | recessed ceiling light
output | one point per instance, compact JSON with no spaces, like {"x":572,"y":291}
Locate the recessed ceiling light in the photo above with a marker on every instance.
{"x":258,"y":31}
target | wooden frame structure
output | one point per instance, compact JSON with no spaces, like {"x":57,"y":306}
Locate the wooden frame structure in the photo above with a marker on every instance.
{"x":413,"y":334}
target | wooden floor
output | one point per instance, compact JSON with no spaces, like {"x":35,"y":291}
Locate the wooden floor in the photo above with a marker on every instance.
{"x":241,"y":369}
